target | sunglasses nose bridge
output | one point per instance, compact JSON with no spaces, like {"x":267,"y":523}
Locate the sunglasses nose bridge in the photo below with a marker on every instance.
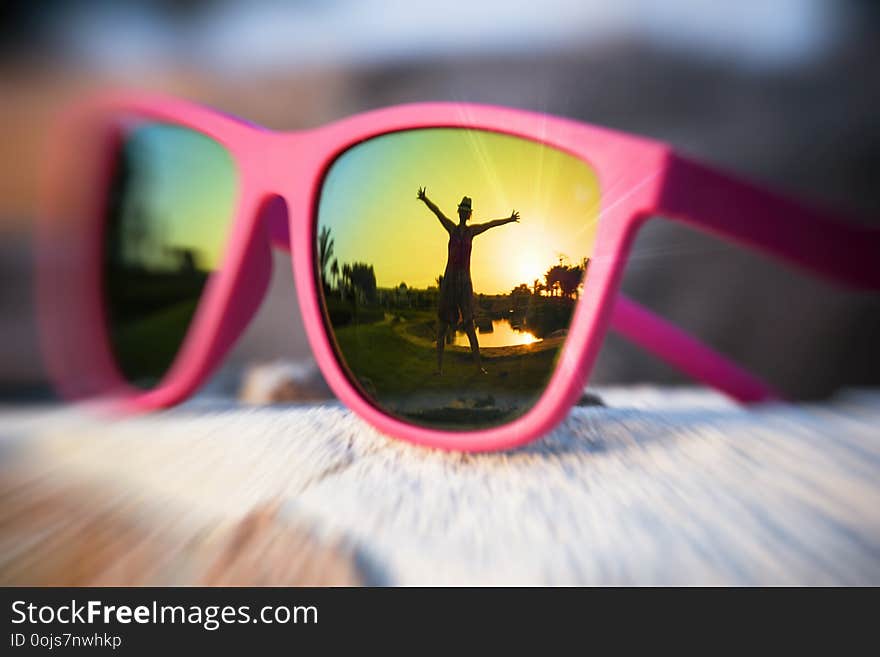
{"x":283,"y":156}
{"x":285,"y":165}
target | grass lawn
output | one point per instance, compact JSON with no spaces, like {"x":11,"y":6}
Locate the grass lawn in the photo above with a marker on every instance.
{"x":145,"y":347}
{"x":399,"y":374}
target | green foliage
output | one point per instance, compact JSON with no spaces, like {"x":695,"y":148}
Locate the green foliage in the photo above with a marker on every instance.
{"x":547,"y":315}
{"x":363,"y":280}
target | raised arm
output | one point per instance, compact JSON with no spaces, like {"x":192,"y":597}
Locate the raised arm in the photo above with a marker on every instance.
{"x":476,"y":229}
{"x":736,"y":210}
{"x":446,"y":221}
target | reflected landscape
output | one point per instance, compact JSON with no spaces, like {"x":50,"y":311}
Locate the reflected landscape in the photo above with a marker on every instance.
{"x":167,"y":217}
{"x":450,"y":263}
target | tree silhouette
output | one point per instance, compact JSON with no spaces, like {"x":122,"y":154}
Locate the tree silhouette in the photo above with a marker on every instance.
{"x":552,"y":279}
{"x":346,"y":279}
{"x":569,"y":280}
{"x":563,"y":280}
{"x":363,"y":280}
{"x":325,"y":252}
{"x":520,"y":296}
{"x":334,"y":272}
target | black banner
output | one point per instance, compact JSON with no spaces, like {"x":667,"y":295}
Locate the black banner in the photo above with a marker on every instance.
{"x":153,"y":620}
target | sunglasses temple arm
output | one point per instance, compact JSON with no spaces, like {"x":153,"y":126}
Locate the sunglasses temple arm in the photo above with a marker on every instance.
{"x":847,"y":253}
{"x":684,"y":352}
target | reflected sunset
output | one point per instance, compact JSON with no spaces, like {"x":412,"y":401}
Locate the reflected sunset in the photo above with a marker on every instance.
{"x":450,"y":262}
{"x":556,"y":195}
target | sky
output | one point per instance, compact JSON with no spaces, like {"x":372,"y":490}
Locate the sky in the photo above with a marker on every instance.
{"x":369,"y":203}
{"x":182,"y":195}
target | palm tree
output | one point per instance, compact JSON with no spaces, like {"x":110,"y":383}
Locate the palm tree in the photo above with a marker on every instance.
{"x":334,"y":272}
{"x":570,"y":280}
{"x":346,"y":279}
{"x":552,"y":279}
{"x":325,"y":251}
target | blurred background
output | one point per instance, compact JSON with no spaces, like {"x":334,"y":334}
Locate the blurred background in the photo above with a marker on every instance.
{"x":785,"y":93}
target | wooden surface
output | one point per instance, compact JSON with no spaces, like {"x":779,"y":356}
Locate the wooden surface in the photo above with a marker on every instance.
{"x":664,"y":486}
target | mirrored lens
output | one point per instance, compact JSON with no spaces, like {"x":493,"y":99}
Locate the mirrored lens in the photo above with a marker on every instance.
{"x":450,"y":263}
{"x":169,"y":209}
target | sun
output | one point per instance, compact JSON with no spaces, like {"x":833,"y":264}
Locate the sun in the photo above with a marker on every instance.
{"x":529,"y":266}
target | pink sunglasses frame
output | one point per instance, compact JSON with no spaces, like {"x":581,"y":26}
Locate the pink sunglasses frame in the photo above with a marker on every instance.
{"x":280,"y":177}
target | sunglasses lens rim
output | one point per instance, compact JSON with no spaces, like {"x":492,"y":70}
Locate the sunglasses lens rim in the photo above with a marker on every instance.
{"x":344,"y":361}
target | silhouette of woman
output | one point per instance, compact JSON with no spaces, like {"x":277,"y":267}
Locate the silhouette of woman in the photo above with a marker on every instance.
{"x":457,"y":289}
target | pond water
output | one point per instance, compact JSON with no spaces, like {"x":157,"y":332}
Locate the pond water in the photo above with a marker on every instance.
{"x":502,"y":335}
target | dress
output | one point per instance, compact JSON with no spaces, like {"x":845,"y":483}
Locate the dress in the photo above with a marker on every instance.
{"x":457,"y":289}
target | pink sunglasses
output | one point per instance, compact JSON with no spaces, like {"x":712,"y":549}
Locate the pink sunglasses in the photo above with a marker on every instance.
{"x":159,"y":218}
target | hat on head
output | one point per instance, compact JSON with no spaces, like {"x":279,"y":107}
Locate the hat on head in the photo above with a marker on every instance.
{"x":465,"y":204}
